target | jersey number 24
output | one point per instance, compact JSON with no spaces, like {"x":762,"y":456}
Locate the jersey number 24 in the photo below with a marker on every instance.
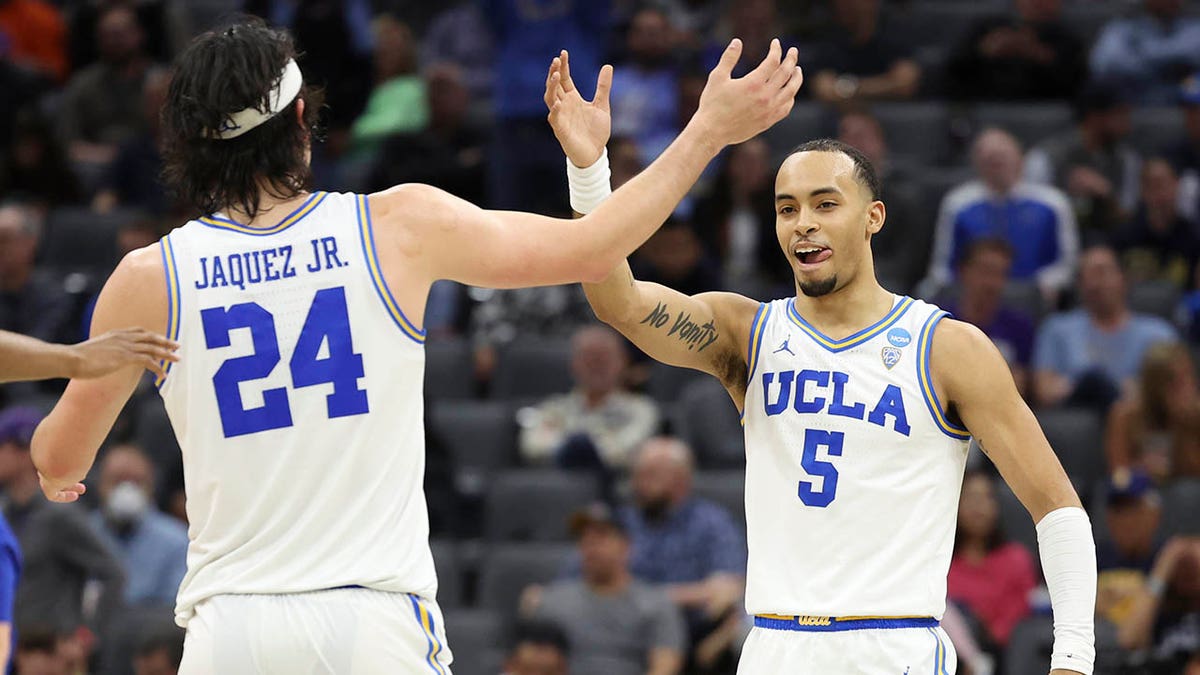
{"x":328,"y":321}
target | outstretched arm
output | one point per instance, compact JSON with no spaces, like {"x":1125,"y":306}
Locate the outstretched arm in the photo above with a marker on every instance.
{"x":65,"y":443}
{"x":985,"y":398}
{"x":445,"y":237}
{"x":25,"y":358}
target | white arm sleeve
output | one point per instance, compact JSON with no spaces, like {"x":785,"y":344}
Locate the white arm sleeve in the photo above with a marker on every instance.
{"x":1069,"y":561}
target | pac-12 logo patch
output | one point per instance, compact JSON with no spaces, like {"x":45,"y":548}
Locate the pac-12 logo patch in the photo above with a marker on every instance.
{"x":899,"y":337}
{"x":891,"y":356}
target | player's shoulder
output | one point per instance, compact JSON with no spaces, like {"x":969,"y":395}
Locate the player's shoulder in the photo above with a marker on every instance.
{"x":958,"y":343}
{"x":404,"y":201}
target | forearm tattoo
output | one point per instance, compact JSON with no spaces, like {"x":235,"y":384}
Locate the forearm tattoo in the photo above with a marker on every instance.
{"x":681,"y":327}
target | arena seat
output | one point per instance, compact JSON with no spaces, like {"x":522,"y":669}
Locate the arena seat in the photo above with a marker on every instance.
{"x":916,"y":131}
{"x":78,"y":239}
{"x":1032,"y":640}
{"x":532,"y":369}
{"x":1015,"y":520}
{"x":1157,"y":297}
{"x":481,"y":437}
{"x":726,"y":488}
{"x":808,"y":120}
{"x":534,"y":504}
{"x":450,"y":574}
{"x":1156,"y":129}
{"x":709,"y":422}
{"x":1077,"y":437}
{"x":1180,"y":506}
{"x":449,"y":369}
{"x":507,"y":569}
{"x":1030,"y":122}
{"x":666,"y":383}
{"x":473,"y":635}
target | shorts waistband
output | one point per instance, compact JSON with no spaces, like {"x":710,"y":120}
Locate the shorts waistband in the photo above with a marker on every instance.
{"x":823,"y":624}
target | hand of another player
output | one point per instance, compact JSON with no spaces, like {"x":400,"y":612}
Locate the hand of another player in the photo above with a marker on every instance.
{"x":733,"y":110}
{"x":57,"y":491}
{"x":581,"y":127}
{"x":121,"y":348}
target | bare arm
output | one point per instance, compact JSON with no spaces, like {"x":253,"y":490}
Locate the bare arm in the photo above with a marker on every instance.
{"x":664,"y":661}
{"x":65,"y":443}
{"x":901,"y":81}
{"x":985,"y":398}
{"x":448,"y":238}
{"x":25,"y":358}
{"x":1117,"y":448}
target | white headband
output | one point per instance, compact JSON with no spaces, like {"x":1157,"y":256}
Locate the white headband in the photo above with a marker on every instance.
{"x":281,"y":96}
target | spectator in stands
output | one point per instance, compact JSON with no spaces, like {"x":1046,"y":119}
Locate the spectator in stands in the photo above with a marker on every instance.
{"x":1159,"y":244}
{"x":616,"y":625}
{"x":736,"y":221}
{"x":34,"y":166}
{"x":152,"y":545}
{"x":502,"y":317}
{"x":133,"y":179}
{"x":596,"y":420}
{"x":1185,"y":155}
{"x":1165,"y":617}
{"x":460,"y":36}
{"x":1126,"y":556}
{"x":687,"y":545}
{"x":1087,"y":356}
{"x":861,"y":60}
{"x":645,"y":89}
{"x":398,"y":102}
{"x":34,"y":34}
{"x":1156,"y":428}
{"x":31,"y":302}
{"x":160,"y":653}
{"x":38,"y":652}
{"x":166,"y":27}
{"x":989,"y":576}
{"x":674,"y":257}
{"x":755,"y":23}
{"x":1029,"y":54}
{"x":1093,"y":163}
{"x":1036,"y":220}
{"x":61,"y":551}
{"x":102,"y":105}
{"x":1148,"y":54}
{"x":539,"y":648}
{"x":902,"y":247}
{"x":982,"y":276}
{"x":526,"y":160}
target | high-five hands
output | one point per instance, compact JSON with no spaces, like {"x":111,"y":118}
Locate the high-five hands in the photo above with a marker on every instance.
{"x":581,"y":127}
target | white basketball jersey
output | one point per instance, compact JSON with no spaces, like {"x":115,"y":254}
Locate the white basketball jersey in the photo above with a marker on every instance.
{"x":853,"y":471}
{"x":297,"y":401}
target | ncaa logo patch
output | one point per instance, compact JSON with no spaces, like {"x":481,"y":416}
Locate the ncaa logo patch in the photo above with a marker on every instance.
{"x":891,"y":356}
{"x":899,"y":337}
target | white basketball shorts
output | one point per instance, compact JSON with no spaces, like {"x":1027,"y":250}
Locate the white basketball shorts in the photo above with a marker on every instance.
{"x":823,"y":649}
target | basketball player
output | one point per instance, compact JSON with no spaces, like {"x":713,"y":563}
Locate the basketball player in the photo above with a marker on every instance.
{"x":297,"y":399}
{"x":24,"y":358}
{"x":858,"y":407}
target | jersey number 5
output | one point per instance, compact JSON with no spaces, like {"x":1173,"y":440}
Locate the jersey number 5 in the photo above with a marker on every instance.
{"x":815,"y":439}
{"x":328,"y":321}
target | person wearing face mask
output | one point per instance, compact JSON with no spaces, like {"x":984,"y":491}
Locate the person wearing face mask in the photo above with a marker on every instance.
{"x":687,"y":544}
{"x":151,"y":544}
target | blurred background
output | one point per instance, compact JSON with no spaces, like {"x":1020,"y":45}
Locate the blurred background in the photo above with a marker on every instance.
{"x":1041,"y":171}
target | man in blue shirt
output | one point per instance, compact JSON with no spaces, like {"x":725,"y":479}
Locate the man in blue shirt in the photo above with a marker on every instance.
{"x":1036,"y":220}
{"x":1086,"y":355}
{"x":1149,"y":53}
{"x":151,"y":544}
{"x":10,"y":574}
{"x":645,"y":90}
{"x":687,"y":544}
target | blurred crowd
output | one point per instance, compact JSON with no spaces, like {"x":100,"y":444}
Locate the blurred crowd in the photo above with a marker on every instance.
{"x":1041,"y":170}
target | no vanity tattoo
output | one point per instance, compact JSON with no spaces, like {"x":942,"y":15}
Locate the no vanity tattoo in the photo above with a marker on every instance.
{"x":694,"y":335}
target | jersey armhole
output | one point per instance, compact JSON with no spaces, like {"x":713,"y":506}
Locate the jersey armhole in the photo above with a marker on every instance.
{"x":757,"y":329}
{"x":171,"y":272}
{"x":367,"y":238}
{"x":925,"y":378}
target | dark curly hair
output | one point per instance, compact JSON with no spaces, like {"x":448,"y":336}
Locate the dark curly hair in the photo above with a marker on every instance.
{"x":220,"y":73}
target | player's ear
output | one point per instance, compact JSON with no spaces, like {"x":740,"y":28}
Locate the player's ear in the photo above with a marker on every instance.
{"x":876,"y":214}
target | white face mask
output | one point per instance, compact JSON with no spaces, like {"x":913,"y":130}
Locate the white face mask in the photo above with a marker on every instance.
{"x":126,"y":503}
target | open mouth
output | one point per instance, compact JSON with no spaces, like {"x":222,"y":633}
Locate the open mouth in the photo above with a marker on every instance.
{"x":811,"y":254}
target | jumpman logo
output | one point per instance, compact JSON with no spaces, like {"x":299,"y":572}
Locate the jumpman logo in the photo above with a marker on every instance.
{"x":784,"y":347}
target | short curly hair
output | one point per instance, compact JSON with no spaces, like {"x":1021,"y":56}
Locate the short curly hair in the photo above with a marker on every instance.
{"x":220,"y":73}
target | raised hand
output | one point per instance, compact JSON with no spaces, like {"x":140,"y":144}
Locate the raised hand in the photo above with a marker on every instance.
{"x":581,"y":127}
{"x":733,"y":110}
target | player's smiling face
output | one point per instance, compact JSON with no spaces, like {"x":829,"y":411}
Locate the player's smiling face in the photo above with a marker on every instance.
{"x":823,"y":219}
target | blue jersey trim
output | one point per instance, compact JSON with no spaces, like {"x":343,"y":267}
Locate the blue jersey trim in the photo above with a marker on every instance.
{"x":171,"y":272}
{"x":812,"y":624}
{"x":758,"y":327}
{"x":925,"y":378}
{"x":855,"y":339}
{"x":307,"y":207}
{"x":367,"y":237}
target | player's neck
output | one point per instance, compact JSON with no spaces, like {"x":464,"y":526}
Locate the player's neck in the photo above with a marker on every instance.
{"x":271,"y":209}
{"x":846,"y":310}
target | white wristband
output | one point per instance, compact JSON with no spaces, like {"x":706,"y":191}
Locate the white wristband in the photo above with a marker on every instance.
{"x":1068,"y":555}
{"x":589,"y":186}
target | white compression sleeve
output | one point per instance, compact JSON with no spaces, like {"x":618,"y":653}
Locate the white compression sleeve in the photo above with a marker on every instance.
{"x":589,"y":186}
{"x":1068,"y":555}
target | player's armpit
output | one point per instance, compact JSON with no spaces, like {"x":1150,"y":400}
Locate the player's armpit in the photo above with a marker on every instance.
{"x":65,"y":443}
{"x":973,"y":377}
{"x":707,"y":332}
